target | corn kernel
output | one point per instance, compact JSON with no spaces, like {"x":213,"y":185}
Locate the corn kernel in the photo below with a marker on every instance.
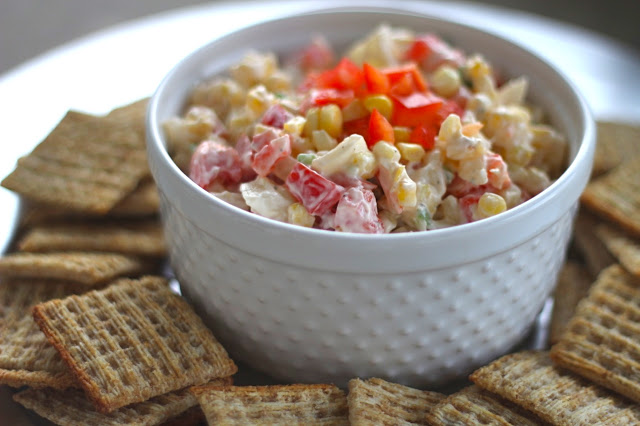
{"x":401,"y":134}
{"x":323,"y":141}
{"x":297,"y":214}
{"x":295,"y":126}
{"x":330,"y":120}
{"x":259,"y":99}
{"x":490,"y":204}
{"x":477,"y":67}
{"x":406,"y":188}
{"x":410,"y":151}
{"x":239,"y":120}
{"x":277,"y":82}
{"x":354,"y":111}
{"x":445,"y":81}
{"x":311,"y":122}
{"x":519,"y":154}
{"x":254,"y":68}
{"x":380,"y":102}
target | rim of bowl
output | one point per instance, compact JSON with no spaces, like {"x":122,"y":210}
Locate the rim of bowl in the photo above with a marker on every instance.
{"x":579,"y":166}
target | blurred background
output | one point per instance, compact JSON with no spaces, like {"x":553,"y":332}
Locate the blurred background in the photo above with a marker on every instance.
{"x":31,"y":27}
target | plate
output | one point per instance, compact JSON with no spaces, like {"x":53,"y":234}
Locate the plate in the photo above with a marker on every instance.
{"x":124,"y":63}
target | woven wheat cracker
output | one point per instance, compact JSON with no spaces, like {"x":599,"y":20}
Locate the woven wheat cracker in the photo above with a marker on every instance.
{"x":273,"y":405}
{"x":132,"y":341}
{"x":143,"y":201}
{"x":378,"y":402}
{"x":82,"y":267}
{"x":474,"y":406}
{"x":616,"y":143}
{"x":602,"y":341}
{"x":616,"y":195}
{"x":26,"y":357}
{"x":72,"y":408}
{"x":573,"y":285}
{"x":144,"y":238}
{"x":530,"y":380}
{"x":595,"y":253}
{"x":625,"y":248}
{"x":86,"y":163}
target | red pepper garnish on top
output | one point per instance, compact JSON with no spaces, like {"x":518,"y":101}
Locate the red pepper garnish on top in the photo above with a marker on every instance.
{"x":377,"y":82}
{"x":416,"y":109}
{"x":346,"y":75}
{"x":379,"y":129}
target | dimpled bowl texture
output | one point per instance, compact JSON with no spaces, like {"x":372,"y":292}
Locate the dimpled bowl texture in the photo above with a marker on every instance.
{"x":421,"y":309}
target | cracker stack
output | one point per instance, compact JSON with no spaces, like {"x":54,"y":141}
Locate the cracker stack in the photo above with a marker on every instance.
{"x":530,"y":380}
{"x":602,"y":341}
{"x":127,"y":351}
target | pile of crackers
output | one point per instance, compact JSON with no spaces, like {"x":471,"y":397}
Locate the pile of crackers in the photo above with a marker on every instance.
{"x":92,"y":333}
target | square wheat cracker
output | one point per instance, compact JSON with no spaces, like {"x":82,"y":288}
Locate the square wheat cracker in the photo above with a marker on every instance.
{"x":474,"y":406}
{"x":530,"y":380}
{"x":87,"y":268}
{"x":132,"y":341}
{"x":87,"y":163}
{"x":317,"y":404}
{"x":616,"y":195}
{"x":602,"y":341}
{"x":573,"y":285}
{"x":379,"y":402}
{"x":625,"y":248}
{"x":26,"y":357}
{"x":143,"y":238}
{"x":616,"y":143}
{"x":143,"y":202}
{"x":589,"y":246}
{"x":71,"y":407}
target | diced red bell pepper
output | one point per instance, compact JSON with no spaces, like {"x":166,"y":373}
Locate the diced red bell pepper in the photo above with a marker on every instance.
{"x":449,"y":106}
{"x":406,"y":76}
{"x":467,"y":204}
{"x":424,"y":136}
{"x":497,"y":171}
{"x":359,"y":126}
{"x":262,"y":139}
{"x":215,"y":162}
{"x":320,"y":97}
{"x":346,"y":75}
{"x":377,"y":82}
{"x":243,"y":146}
{"x":264,"y":161}
{"x":276,"y":116}
{"x":317,"y":193}
{"x":431,"y":51}
{"x":416,"y":109}
{"x":357,"y":211}
{"x":379,"y":129}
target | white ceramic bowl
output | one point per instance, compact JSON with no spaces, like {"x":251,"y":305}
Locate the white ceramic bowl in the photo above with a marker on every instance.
{"x":307,"y":305}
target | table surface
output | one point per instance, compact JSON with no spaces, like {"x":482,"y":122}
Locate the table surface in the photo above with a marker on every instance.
{"x":126,"y":62}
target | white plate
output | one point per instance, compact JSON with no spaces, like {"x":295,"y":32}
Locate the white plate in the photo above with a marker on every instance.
{"x":126,"y":62}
